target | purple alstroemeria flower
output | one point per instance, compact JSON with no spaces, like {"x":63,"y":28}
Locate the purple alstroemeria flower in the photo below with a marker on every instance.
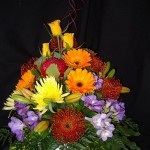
{"x":17,"y":126}
{"x":106,"y":132}
{"x":92,"y":103}
{"x":21,"y":108}
{"x":98,"y":82}
{"x":117,"y":108}
{"x":32,"y":119}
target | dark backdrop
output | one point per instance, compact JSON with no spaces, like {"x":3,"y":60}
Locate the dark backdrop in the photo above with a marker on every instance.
{"x":118,"y":30}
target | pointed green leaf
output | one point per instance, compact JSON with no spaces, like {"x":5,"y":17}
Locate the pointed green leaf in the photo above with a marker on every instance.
{"x":67,"y":72}
{"x":111,"y":73}
{"x":106,"y":69}
{"x":52,"y":70}
{"x":39,"y":61}
{"x":57,"y":55}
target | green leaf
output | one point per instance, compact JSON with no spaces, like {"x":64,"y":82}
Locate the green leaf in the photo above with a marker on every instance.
{"x":4,"y":135}
{"x":52,"y":70}
{"x":57,"y":55}
{"x":51,"y":108}
{"x":35,"y":72}
{"x":67,"y":72}
{"x":39,"y":61}
{"x":111,"y":73}
{"x":106,"y":69}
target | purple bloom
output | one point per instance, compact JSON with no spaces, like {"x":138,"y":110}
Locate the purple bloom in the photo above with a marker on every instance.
{"x":17,"y":126}
{"x":19,"y":105}
{"x":92,"y":103}
{"x":98,"y":82}
{"x":32,"y":119}
{"x":106,"y":132}
{"x":117,"y":108}
{"x":102,"y":122}
{"x":21,"y":108}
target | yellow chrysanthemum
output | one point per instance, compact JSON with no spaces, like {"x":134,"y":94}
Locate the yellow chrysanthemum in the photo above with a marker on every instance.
{"x":26,"y":81}
{"x":80,"y":81}
{"x":48,"y":88}
{"x":77,"y":58}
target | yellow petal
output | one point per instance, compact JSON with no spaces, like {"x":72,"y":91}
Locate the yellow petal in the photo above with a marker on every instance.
{"x":68,"y":40}
{"x":55,"y":28}
{"x":45,"y":49}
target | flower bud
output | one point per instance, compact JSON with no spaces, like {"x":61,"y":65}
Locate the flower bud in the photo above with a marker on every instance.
{"x":26,"y":93}
{"x":68,"y":39}
{"x":42,"y":126}
{"x":73,"y":97}
{"x":55,"y":27}
{"x":125,"y":90}
{"x":45,"y":49}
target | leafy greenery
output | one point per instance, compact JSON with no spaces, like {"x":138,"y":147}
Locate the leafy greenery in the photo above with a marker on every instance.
{"x":89,"y":141}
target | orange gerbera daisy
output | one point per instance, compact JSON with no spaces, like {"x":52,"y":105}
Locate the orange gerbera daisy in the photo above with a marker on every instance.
{"x":77,"y":58}
{"x":80,"y":81}
{"x":26,"y":81}
{"x":69,"y":125}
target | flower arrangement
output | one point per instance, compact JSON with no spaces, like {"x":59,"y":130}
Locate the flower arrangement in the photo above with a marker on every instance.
{"x":68,"y":98}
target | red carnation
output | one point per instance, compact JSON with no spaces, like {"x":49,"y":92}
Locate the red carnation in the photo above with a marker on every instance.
{"x":54,"y":43}
{"x":97,"y":64}
{"x":59,"y":62}
{"x":111,"y":88}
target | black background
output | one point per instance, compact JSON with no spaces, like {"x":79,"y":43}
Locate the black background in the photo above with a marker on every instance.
{"x":118,"y":30}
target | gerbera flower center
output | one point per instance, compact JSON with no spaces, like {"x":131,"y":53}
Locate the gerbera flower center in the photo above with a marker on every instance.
{"x":77,"y":63}
{"x":79,"y":84}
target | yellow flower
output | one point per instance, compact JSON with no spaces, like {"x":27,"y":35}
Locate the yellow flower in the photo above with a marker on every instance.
{"x":26,"y":81}
{"x":55,"y":27}
{"x":48,"y":89}
{"x":77,"y":58}
{"x":80,"y":81}
{"x":45,"y":49}
{"x":68,"y":39}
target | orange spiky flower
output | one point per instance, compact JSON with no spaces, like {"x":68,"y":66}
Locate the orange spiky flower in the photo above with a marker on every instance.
{"x":97,"y":64}
{"x":111,"y":88}
{"x":68,"y":125}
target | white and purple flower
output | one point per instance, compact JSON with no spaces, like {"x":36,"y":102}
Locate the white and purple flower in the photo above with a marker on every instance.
{"x":92,"y":103}
{"x":99,"y":81}
{"x":17,"y":126}
{"x":117,"y":108}
{"x":102,"y":122}
{"x":32,"y":119}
